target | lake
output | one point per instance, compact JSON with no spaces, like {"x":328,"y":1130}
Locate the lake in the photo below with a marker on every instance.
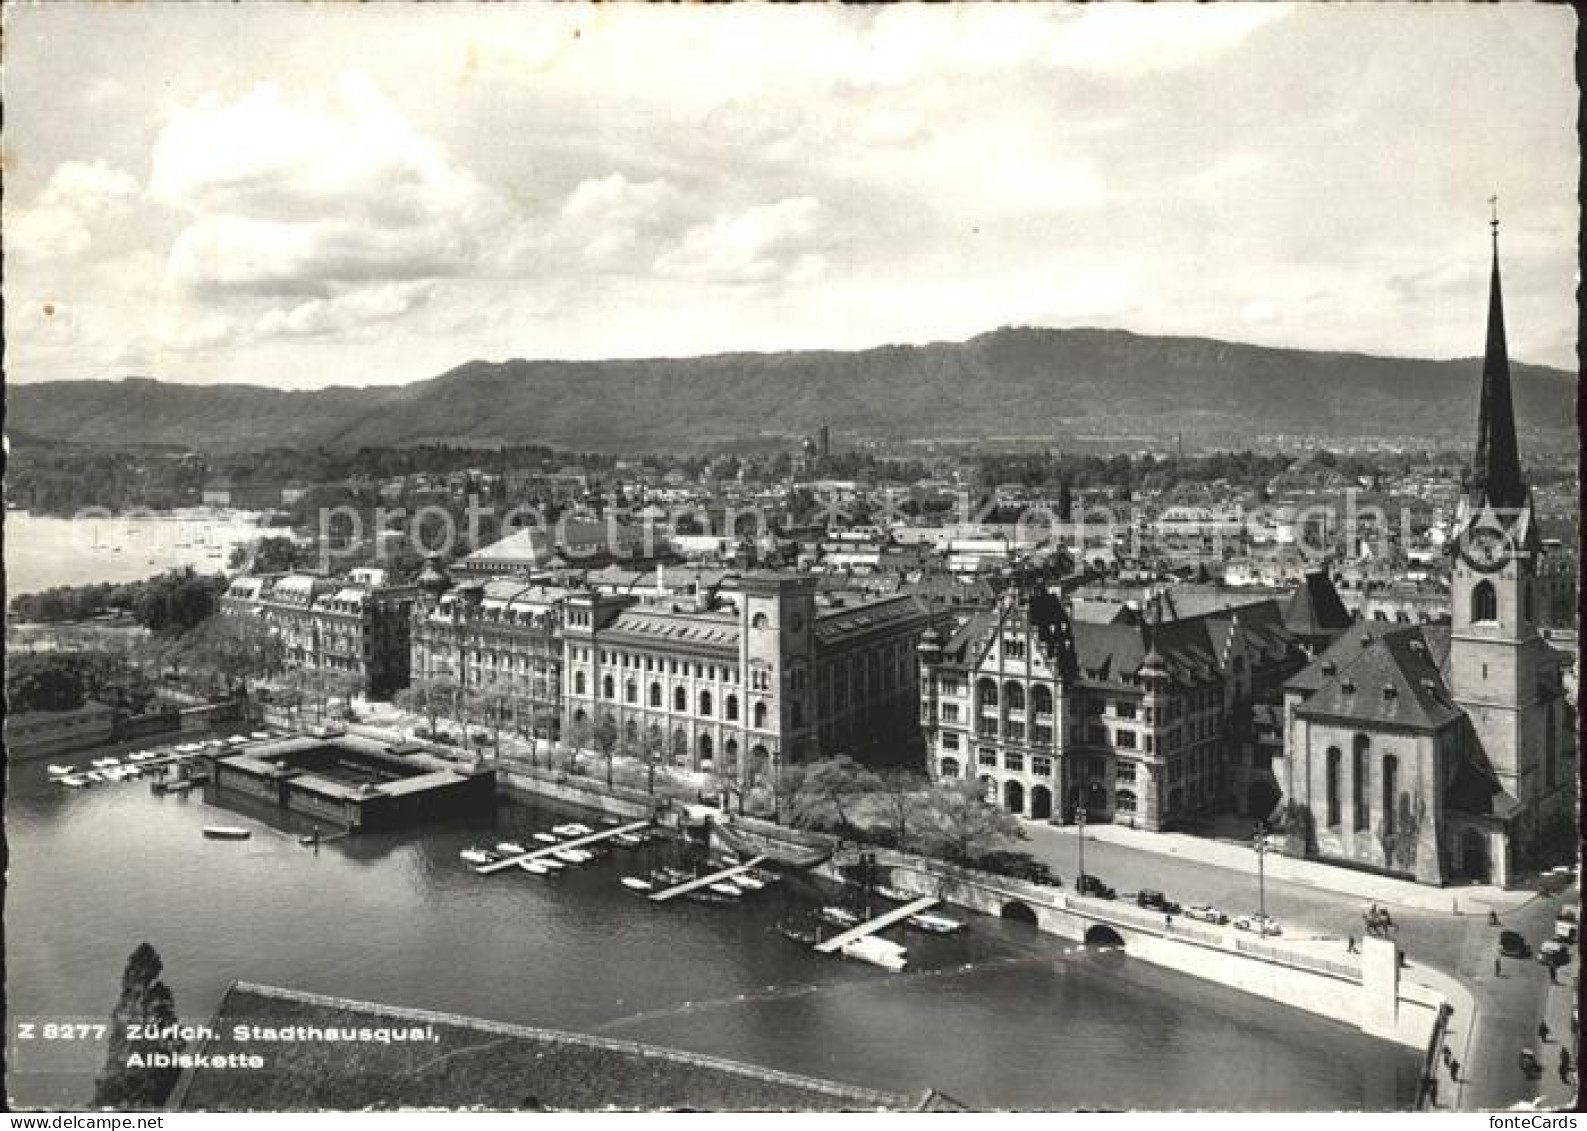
{"x":42,"y":552}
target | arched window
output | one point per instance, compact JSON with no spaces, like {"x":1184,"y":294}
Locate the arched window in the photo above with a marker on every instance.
{"x":608,"y":689}
{"x":730,"y":755}
{"x":631,"y":692}
{"x":760,"y":716}
{"x":986,"y":693}
{"x":578,"y":683}
{"x":1041,"y":699}
{"x":680,"y":748}
{"x":655,"y":694}
{"x":1333,"y":786}
{"x":631,"y":732}
{"x":680,"y":699}
{"x":732,"y":708}
{"x":1484,"y":602}
{"x":1358,"y":781}
{"x":1014,"y":696}
{"x":1391,"y":785}
{"x":705,"y":748}
{"x":705,"y":702}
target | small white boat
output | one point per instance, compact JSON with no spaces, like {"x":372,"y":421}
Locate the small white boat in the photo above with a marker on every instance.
{"x":551,"y":864}
{"x":634,"y":883}
{"x":572,"y":830}
{"x":627,"y":840}
{"x":236,"y":740}
{"x":475,"y":856}
{"x":72,"y":781}
{"x":838,"y":917}
{"x":878,"y":952}
{"x":259,"y":734}
{"x":545,"y":838}
{"x":571,"y":856}
{"x":747,"y":882}
{"x":54,"y":769}
{"x":722,"y":887}
{"x":510,"y":848}
{"x":101,"y":763}
{"x":934,"y":924}
{"x":227,"y":832}
{"x":894,"y":894}
{"x":94,"y":776}
{"x":534,"y":867}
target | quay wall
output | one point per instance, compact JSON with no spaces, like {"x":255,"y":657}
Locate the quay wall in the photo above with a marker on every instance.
{"x":618,"y":801}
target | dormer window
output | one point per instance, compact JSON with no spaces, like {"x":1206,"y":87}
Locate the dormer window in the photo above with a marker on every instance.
{"x":1389,"y":694}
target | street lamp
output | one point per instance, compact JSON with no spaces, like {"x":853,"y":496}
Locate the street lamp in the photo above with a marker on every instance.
{"x":1080,"y":824}
{"x":1261,"y":870}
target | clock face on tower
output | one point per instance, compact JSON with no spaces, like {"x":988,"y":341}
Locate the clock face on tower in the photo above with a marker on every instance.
{"x":1486,"y":549}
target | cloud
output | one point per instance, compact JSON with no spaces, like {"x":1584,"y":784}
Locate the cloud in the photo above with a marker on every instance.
{"x":346,"y":312}
{"x":77,"y":198}
{"x":757,"y":245}
{"x":308,"y":197}
{"x":1131,"y":39}
{"x":605,"y":218}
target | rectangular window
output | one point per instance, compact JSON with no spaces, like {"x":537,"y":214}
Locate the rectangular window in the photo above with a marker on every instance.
{"x":950,"y":712}
{"x":1125,"y":739}
{"x":1124,"y":709}
{"x":1014,"y":762}
{"x":1016,"y":732}
{"x":950,"y":741}
{"x":1041,"y":767}
{"x":987,"y":757}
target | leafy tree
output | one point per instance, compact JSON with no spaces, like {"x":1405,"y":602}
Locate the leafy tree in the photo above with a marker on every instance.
{"x":652,"y":752}
{"x":903,"y":795}
{"x":580,"y":733}
{"x":428,"y":696}
{"x":607,"y":737}
{"x":146,"y":1003}
{"x":832,"y":783}
{"x":496,"y":702}
{"x":961,"y":826}
{"x":235,"y":650}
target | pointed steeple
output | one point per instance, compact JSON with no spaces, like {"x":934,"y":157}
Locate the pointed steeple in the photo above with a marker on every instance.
{"x":1496,"y":471}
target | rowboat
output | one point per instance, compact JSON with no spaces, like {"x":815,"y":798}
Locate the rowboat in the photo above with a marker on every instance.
{"x":545,"y":838}
{"x":227,"y":832}
{"x":571,"y":856}
{"x":634,"y":883}
{"x":892,"y":893}
{"x":534,"y":867}
{"x":723,"y":888}
{"x":838,"y":916}
{"x":54,"y":769}
{"x":551,"y":863}
{"x":627,"y":840}
{"x":510,"y":848}
{"x":747,"y":882}
{"x":475,"y":856}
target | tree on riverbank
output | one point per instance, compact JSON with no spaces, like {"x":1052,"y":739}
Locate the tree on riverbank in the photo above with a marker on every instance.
{"x":830,"y":785}
{"x":428,"y":696}
{"x":65,"y":681}
{"x":959,"y":824}
{"x":146,"y":1004}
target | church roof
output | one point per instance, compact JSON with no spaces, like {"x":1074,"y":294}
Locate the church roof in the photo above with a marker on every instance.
{"x":1315,"y":608}
{"x":1378,"y":674}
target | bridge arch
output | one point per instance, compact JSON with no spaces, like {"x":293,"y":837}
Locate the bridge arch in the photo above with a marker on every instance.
{"x":1018,"y":912}
{"x":1100,"y":934}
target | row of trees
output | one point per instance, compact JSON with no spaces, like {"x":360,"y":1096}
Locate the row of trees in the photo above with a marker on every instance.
{"x":173,"y":601}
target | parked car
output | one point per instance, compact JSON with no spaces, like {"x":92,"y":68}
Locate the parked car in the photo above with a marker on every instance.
{"x":1093,"y":886}
{"x":1553,"y":953}
{"x":1206,"y":913}
{"x":1257,"y":925}
{"x":1565,"y":925}
{"x":1156,"y":901}
{"x":1512,"y":945}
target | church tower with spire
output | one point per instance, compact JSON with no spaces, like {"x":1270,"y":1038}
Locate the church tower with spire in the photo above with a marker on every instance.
{"x":1497,"y":660}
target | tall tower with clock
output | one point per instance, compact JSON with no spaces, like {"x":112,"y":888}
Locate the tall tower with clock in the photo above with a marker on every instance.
{"x":1497,"y":660}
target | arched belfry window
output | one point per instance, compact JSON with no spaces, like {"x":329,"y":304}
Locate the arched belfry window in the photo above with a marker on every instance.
{"x":1484,"y":602}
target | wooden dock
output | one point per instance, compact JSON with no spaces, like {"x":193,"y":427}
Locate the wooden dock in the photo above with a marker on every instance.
{"x":704,"y":881}
{"x":552,"y":849}
{"x":896,"y":915}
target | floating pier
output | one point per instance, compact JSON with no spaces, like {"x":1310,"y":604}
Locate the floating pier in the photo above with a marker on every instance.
{"x":553,"y":849}
{"x":896,"y":915}
{"x":705,"y":881}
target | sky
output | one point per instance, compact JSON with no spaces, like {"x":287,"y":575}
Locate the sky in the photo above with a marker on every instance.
{"x":310,"y":194}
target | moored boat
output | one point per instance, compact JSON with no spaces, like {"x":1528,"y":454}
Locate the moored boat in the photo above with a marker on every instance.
{"x":627,"y":840}
{"x":807,"y":935}
{"x":534,"y":867}
{"x":546,"y":838}
{"x":510,"y":848}
{"x":892,"y":893}
{"x":725,"y":889}
{"x":634,"y":883}
{"x":54,"y":769}
{"x":934,"y":924}
{"x":551,"y":864}
{"x":227,"y":832}
{"x":747,"y":882}
{"x":838,"y":916}
{"x":475,"y":856}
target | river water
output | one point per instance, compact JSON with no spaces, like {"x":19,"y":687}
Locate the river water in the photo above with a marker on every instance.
{"x":42,"y":552}
{"x":998,"y":1017}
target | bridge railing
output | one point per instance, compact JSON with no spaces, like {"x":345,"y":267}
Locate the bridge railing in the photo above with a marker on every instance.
{"x":1302,"y":959}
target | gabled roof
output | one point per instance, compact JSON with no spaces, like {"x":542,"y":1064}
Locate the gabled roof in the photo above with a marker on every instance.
{"x":1381,"y":674}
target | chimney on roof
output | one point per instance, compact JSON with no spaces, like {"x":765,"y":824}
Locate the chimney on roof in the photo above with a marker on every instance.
{"x":1348,"y":686}
{"x":1329,"y":667}
{"x":1388,"y":691}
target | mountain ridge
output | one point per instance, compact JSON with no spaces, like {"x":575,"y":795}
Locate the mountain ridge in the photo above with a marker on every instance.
{"x":1012,"y":381}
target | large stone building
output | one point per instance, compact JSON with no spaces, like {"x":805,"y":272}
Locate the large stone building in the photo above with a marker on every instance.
{"x":355,"y":626}
{"x":1139,"y":721}
{"x":760,"y":673}
{"x":1446,"y":751}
